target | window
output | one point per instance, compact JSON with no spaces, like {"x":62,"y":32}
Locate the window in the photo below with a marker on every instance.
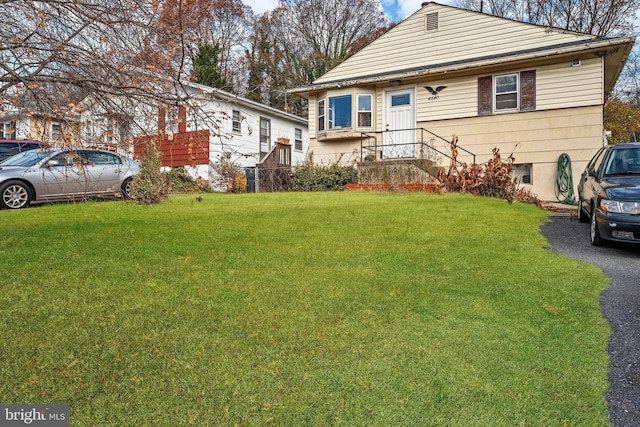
{"x":172,"y":120}
{"x":340,"y":112}
{"x":622,"y":161}
{"x":298,"y":142}
{"x":507,"y":92}
{"x":8,"y":130}
{"x":66,"y":158}
{"x":364,"y":110}
{"x":402,"y":99}
{"x":523,"y":172}
{"x":94,"y":128}
{"x":8,"y":149}
{"x":321,"y":115}
{"x":236,"y":122}
{"x":265,"y":136}
{"x":101,"y":158}
{"x":56,"y":131}
{"x":125,"y":129}
{"x":595,"y":163}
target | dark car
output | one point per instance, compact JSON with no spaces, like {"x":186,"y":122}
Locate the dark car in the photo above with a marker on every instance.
{"x":68,"y":174}
{"x":609,"y":194}
{"x":10,"y":147}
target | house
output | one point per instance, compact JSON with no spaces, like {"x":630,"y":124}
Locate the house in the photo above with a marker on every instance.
{"x":534,"y":91}
{"x":35,"y":124}
{"x":209,"y":127}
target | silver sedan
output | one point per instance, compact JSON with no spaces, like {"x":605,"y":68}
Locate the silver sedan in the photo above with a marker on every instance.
{"x":38,"y":176}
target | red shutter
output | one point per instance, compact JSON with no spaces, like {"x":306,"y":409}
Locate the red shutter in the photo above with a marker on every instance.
{"x":528,"y":90}
{"x":485,"y":95}
{"x":182,"y":119}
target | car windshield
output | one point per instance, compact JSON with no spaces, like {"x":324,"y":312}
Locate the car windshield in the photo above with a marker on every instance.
{"x":26,"y":158}
{"x":623,"y":161}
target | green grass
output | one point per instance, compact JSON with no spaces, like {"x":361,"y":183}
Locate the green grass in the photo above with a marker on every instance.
{"x":352,"y":309}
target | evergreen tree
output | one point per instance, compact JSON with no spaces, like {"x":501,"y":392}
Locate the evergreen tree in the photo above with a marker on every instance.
{"x":205,"y":67}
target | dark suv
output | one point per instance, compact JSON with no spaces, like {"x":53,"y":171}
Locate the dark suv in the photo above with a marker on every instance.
{"x":609,"y":194}
{"x":9,"y":147}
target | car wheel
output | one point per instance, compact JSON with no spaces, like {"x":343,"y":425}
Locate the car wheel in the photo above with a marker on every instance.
{"x":596,"y":240}
{"x":582,"y":215}
{"x":14,"y":195}
{"x":126,"y":188}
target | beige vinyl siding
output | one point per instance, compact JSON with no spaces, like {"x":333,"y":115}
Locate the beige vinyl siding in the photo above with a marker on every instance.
{"x":40,"y":130}
{"x":313,"y":121}
{"x":557,"y":86}
{"x":561,"y":85}
{"x":538,"y":137}
{"x":458,"y":99}
{"x":331,"y":152}
{"x":533,"y":132}
{"x":409,"y":45}
{"x":378,"y":110}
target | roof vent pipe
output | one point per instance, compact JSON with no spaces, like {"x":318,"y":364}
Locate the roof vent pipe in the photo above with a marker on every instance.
{"x":481,"y":6}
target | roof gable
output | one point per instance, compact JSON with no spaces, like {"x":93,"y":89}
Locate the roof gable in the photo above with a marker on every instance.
{"x":439,"y":34}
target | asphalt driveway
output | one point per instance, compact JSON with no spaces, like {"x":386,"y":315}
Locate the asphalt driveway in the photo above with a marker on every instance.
{"x":620,"y":304}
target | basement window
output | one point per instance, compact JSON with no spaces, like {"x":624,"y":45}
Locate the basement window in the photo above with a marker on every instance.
{"x":522,"y":172}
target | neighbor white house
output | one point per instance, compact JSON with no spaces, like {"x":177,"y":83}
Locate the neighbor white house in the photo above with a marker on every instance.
{"x":37,"y":125}
{"x":210,"y":125}
{"x":537,"y":92}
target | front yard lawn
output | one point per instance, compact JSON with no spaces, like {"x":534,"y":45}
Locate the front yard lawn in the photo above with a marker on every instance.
{"x":299,"y":309}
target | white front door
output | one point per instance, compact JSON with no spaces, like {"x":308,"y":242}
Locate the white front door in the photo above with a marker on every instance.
{"x":400,"y":116}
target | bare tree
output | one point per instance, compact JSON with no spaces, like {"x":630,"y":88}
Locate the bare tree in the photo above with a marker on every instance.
{"x":628,"y":88}
{"x":597,"y":17}
{"x":61,"y":51}
{"x":229,"y":24}
{"x":302,"y":39}
{"x":322,"y":33}
{"x":222,"y":23}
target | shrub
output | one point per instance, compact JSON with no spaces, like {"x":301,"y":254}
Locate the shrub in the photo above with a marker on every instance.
{"x":229,"y":174}
{"x":150,"y":186}
{"x":493,"y":179}
{"x":310,"y":177}
{"x":181,"y":182}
